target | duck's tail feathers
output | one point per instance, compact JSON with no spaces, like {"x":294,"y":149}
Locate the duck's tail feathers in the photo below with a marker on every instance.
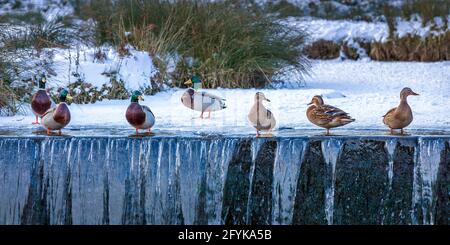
{"x":347,"y":120}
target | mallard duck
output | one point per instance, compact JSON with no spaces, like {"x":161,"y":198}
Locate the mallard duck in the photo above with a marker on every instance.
{"x":259,"y":117}
{"x":41,"y":101}
{"x":326,"y":116}
{"x":57,"y":117}
{"x":201,"y":101}
{"x":139,"y":116}
{"x":401,"y":116}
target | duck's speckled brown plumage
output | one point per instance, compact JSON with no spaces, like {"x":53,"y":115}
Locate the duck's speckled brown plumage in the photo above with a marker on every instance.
{"x":326,"y":116}
{"x":40,"y":102}
{"x":135,"y":114}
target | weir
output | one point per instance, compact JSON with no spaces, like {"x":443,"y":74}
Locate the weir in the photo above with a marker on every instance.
{"x":225,"y":180}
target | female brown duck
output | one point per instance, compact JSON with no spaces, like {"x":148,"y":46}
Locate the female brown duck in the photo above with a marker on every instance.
{"x":326,"y":116}
{"x":401,"y":116}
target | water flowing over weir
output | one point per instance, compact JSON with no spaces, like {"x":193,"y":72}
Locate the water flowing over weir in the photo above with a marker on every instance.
{"x":225,"y":180}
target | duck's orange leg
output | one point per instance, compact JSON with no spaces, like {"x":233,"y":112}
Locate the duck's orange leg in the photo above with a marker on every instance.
{"x":49,"y":132}
{"x":401,"y":131}
{"x":328,"y":131}
{"x":137,"y":131}
{"x":201,"y":115}
{"x":392,"y":131}
{"x":36,"y":122}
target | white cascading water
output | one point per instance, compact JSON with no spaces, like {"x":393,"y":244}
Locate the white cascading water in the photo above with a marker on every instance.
{"x":167,"y":180}
{"x":216,"y":172}
{"x":331,"y":149}
{"x":255,"y":147}
{"x":288,"y":159}
{"x":390,"y":146}
{"x":426,"y":166}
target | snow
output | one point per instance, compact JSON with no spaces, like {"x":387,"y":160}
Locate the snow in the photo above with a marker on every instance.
{"x":346,"y":30}
{"x":51,"y":9}
{"x":366,"y":90}
{"x":135,"y":69}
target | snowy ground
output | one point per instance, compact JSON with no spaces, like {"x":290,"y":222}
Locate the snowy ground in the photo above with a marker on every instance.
{"x":347,"y":30}
{"x":366,"y":90}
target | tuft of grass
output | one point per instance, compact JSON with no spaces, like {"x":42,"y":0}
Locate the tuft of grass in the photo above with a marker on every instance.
{"x":223,"y":42}
{"x":8,"y":100}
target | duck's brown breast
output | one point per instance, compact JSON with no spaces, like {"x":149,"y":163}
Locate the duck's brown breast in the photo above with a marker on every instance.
{"x":40,"y":102}
{"x":135,"y":115}
{"x":62,"y":114}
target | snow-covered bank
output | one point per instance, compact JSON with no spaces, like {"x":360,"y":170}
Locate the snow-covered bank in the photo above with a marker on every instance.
{"x":97,"y":65}
{"x":366,"y":90}
{"x":346,"y":30}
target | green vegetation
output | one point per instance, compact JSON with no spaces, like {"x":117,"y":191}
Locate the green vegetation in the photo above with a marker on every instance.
{"x":224,"y":43}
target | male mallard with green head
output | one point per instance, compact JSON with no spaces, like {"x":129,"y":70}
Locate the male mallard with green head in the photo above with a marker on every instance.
{"x":57,"y":117}
{"x":139,"y":116}
{"x":201,"y":101}
{"x":41,"y":101}
{"x":259,"y":117}
{"x":400,"y":116}
{"x":326,"y":116}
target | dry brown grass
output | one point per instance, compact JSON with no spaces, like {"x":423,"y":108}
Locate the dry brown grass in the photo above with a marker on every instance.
{"x":412,"y":48}
{"x":323,"y":49}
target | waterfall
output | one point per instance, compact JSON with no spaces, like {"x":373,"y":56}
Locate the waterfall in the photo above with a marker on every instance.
{"x":426,"y":166}
{"x":331,"y":149}
{"x":189,"y":180}
{"x":217,"y":167}
{"x":288,"y":159}
{"x":113,"y":180}
{"x":256,"y":145}
{"x":390,"y":146}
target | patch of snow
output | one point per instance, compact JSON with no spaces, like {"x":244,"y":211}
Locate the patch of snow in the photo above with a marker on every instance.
{"x":348,"y":30}
{"x":340,"y":30}
{"x":135,"y":69}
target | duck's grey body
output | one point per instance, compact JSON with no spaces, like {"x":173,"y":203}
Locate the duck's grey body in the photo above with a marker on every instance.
{"x":202,"y":101}
{"x":149,"y":118}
